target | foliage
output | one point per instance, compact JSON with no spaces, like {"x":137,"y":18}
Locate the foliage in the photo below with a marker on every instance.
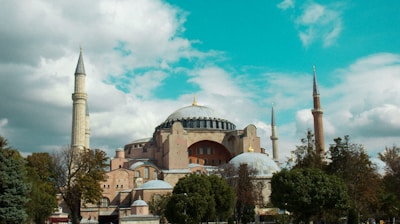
{"x":158,"y":204}
{"x":352,"y":217}
{"x":77,"y":177}
{"x":197,"y":198}
{"x":14,"y":187}
{"x":224,"y":197}
{"x":245,"y":198}
{"x":308,"y":193}
{"x":43,"y":195}
{"x":390,"y":202}
{"x":305,"y":154}
{"x":191,"y":200}
{"x":351,"y":163}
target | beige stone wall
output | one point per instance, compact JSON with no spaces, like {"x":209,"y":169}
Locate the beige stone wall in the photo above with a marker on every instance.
{"x":173,"y":178}
{"x":117,"y":180}
{"x":117,"y":163}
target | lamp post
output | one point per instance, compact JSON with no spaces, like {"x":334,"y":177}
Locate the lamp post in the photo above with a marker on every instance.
{"x":184,"y":208}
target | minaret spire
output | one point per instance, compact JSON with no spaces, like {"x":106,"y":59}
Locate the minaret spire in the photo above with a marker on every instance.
{"x":79,"y":137}
{"x":274,"y":136}
{"x":317,"y":114}
{"x":315,"y":85}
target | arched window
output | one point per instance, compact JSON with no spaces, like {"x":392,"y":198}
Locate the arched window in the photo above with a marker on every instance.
{"x":146,"y":172}
{"x":137,"y":173}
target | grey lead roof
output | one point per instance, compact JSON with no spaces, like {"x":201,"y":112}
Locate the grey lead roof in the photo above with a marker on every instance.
{"x":315,"y":85}
{"x":80,"y":68}
{"x":193,"y":112}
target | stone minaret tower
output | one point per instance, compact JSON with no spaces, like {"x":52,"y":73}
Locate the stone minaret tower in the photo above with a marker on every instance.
{"x":274,"y":137}
{"x":317,"y":114}
{"x":87,"y":128}
{"x":80,"y":123}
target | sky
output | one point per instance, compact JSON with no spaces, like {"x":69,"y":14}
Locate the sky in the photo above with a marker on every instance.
{"x":144,"y":59}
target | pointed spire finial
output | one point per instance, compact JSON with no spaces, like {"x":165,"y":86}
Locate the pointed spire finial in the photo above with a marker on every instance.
{"x":315,"y":85}
{"x":272,"y":116}
{"x":80,"y":68}
{"x":194,"y":101}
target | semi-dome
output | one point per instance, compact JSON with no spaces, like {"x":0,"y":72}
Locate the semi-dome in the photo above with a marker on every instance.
{"x":139,"y":203}
{"x":141,"y":163}
{"x":262,"y":163}
{"x":156,"y":184}
{"x":197,"y":117}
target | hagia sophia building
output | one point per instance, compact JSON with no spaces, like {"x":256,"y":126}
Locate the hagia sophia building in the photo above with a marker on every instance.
{"x":193,"y":139}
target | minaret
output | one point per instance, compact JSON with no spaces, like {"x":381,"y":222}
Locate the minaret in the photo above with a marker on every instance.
{"x":317,"y":113}
{"x":87,"y":128}
{"x":79,"y":108}
{"x":274,"y":137}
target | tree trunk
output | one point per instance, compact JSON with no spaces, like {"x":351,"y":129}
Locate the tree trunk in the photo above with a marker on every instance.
{"x":76,"y":212}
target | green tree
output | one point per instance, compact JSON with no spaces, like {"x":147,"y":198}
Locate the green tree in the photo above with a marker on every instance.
{"x":158,"y":204}
{"x":245,"y":198}
{"x":305,"y":154}
{"x":224,"y":197}
{"x":191,"y":200}
{"x":197,"y":198}
{"x":43,"y":195}
{"x":351,"y":163}
{"x":78,"y":174}
{"x":308,"y":193}
{"x":14,"y":187}
{"x":390,"y":201}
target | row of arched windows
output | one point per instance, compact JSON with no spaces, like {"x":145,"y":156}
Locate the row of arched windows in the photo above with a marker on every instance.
{"x":202,"y":123}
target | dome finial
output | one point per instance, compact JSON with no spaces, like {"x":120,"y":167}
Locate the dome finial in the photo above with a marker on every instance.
{"x":194,"y":101}
{"x":250,"y":148}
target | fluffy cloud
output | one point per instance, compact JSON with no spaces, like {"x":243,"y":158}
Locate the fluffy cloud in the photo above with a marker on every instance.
{"x":316,"y":22}
{"x":286,"y":4}
{"x":40,"y":47}
{"x":124,"y":68}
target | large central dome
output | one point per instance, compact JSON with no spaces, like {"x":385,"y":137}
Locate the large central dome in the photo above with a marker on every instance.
{"x":193,"y":111}
{"x":197,"y":117}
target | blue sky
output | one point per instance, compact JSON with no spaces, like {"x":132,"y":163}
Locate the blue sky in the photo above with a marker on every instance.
{"x":145,"y":59}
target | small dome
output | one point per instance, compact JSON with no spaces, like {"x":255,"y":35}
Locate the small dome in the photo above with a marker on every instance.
{"x":262,"y":163}
{"x":139,"y":203}
{"x":156,"y":184}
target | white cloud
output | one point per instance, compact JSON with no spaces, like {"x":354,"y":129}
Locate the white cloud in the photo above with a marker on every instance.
{"x":365,"y":104}
{"x":286,"y":4}
{"x":312,"y":14}
{"x":317,"y":22}
{"x":37,"y":76}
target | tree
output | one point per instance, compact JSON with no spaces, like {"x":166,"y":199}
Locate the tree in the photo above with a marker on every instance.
{"x":191,"y":200}
{"x":351,"y":163}
{"x":78,"y":176}
{"x":14,"y":187}
{"x":306,"y":155}
{"x":390,"y":201}
{"x":158,"y":204}
{"x":197,"y":198}
{"x":245,"y":198}
{"x":224,"y":197}
{"x":43,"y":195}
{"x":308,"y":193}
